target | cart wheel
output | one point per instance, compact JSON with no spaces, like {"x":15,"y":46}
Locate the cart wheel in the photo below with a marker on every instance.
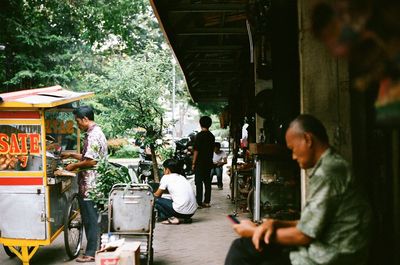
{"x":9,"y":252}
{"x":73,"y":228}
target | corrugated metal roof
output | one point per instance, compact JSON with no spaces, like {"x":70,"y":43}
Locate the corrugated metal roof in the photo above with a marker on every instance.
{"x":41,"y":98}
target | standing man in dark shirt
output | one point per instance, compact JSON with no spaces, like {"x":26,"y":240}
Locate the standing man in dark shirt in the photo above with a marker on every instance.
{"x":202,"y":162}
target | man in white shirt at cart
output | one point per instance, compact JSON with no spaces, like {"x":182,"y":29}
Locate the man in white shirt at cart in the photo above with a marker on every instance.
{"x":182,"y":205}
{"x":219,"y":160}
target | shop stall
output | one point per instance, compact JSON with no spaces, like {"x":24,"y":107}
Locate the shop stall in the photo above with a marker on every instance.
{"x":37,"y":196}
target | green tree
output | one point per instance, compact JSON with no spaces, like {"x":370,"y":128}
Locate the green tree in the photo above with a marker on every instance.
{"x":45,"y":40}
{"x":38,"y":41}
{"x":130,"y":91}
{"x":208,"y":109}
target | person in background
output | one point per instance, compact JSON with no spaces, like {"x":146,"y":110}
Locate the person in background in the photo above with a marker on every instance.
{"x":182,"y":204}
{"x":219,"y":160}
{"x":202,"y":162}
{"x":94,"y":148}
{"x":335,"y":224}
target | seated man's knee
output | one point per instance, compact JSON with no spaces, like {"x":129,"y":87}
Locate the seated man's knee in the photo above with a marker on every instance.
{"x":241,"y":252}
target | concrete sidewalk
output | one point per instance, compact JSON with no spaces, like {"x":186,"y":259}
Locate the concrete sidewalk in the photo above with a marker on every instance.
{"x":204,"y":242}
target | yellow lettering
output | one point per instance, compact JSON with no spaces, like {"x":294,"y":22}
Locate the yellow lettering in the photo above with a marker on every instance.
{"x":70,"y":127}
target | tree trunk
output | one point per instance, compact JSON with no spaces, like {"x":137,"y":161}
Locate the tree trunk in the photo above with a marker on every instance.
{"x":155,"y":164}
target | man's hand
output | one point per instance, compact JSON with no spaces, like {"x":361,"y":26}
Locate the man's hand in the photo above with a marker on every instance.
{"x":71,"y":167}
{"x":263,"y":233}
{"x":84,"y":164}
{"x":65,"y":155}
{"x":246,"y":228}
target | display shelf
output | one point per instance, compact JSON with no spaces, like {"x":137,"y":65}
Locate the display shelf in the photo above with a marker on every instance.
{"x":270,"y":150}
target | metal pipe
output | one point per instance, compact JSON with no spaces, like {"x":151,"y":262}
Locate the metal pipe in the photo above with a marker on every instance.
{"x":257,"y":191}
{"x":173,"y":98}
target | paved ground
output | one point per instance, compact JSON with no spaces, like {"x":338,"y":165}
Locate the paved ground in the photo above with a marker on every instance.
{"x":205,"y":241}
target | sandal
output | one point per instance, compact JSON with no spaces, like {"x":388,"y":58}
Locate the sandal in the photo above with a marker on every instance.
{"x":85,"y":259}
{"x":171,"y":221}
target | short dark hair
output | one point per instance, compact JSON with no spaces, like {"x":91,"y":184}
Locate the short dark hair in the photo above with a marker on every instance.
{"x":310,"y":124}
{"x":217,"y":144}
{"x":84,"y":111}
{"x":205,"y":122}
{"x":172,"y":165}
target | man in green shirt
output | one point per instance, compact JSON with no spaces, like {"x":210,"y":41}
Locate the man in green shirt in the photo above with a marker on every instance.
{"x":334,"y":227}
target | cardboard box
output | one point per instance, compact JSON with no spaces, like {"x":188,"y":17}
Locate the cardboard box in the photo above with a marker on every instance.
{"x":127,"y":254}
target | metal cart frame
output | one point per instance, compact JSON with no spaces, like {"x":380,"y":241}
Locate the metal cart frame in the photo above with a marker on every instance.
{"x":131,"y":215}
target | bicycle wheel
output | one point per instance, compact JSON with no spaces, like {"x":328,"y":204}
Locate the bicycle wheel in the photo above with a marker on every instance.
{"x":73,"y":228}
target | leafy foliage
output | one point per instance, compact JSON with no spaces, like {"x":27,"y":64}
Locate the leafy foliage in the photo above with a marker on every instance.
{"x":210,"y":108}
{"x":114,"y":48}
{"x":134,"y":100}
{"x":165,"y":152}
{"x":48,"y":42}
{"x":127,"y":151}
{"x":37,"y":42}
{"x":108,"y":176}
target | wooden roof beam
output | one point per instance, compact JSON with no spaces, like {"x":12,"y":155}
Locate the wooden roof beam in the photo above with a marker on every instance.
{"x":207,"y":48}
{"x":198,"y":8}
{"x":212,"y":31}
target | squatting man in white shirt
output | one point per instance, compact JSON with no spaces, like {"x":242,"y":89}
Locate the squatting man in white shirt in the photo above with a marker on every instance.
{"x":182,"y":205}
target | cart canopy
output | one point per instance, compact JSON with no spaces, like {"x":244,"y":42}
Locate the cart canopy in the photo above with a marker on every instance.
{"x":47,"y":97}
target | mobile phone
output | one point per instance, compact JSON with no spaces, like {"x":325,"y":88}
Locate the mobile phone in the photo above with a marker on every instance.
{"x":233,"y":219}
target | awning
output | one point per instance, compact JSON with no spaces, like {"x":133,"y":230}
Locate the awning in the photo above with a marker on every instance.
{"x":41,"y":98}
{"x":210,"y":40}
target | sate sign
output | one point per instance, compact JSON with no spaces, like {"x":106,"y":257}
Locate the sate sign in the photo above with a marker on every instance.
{"x":18,"y":145}
{"x":15,"y":147}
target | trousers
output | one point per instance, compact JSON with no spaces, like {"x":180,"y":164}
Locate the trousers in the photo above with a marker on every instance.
{"x":89,"y":216}
{"x":217,"y":171}
{"x":242,"y":252}
{"x":202,"y":175}
{"x":165,"y":210}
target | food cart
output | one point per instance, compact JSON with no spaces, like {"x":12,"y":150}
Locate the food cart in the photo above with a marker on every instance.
{"x":37,"y":197}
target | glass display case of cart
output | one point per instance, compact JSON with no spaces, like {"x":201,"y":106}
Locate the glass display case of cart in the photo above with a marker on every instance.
{"x":21,"y":144}
{"x":20,"y":147}
{"x":62,"y":134}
